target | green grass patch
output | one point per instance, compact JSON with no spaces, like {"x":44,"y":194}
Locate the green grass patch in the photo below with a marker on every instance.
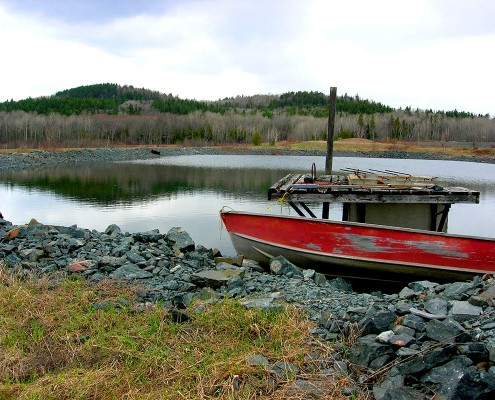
{"x":55,"y":344}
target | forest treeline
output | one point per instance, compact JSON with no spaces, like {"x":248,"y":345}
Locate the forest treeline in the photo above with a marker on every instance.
{"x":113,"y":114}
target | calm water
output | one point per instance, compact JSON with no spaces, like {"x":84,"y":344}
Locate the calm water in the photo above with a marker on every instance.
{"x":188,"y":191}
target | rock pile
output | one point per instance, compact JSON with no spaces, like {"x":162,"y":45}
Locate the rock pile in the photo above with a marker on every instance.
{"x":429,"y":339}
{"x":435,"y":340}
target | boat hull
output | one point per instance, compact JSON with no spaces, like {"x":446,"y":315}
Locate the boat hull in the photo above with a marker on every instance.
{"x":357,"y":250}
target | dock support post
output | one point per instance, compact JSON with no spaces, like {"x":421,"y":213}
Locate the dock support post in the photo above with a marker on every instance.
{"x":296,"y":209}
{"x":325,"y":212}
{"x":331,"y":129}
{"x":443,"y":219}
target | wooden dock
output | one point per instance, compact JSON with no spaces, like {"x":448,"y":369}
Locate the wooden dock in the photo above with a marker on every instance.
{"x":392,"y":200}
{"x":334,"y":188}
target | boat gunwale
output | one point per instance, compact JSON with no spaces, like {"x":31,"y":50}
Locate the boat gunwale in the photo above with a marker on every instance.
{"x":359,"y":224}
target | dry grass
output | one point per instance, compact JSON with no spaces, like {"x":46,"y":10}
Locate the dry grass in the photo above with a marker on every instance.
{"x":54,"y":344}
{"x":365,"y":145}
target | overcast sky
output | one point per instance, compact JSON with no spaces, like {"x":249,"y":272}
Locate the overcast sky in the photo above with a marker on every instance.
{"x":436,"y":54}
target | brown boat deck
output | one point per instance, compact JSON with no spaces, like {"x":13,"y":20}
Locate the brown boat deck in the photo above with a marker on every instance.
{"x":335,"y":188}
{"x":395,"y":200}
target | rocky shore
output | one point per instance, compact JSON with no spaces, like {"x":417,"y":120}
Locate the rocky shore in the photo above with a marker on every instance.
{"x":426,"y":341}
{"x":39,"y":158}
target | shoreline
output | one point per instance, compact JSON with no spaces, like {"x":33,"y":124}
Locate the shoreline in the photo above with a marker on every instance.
{"x":37,"y":158}
{"x":441,"y":335}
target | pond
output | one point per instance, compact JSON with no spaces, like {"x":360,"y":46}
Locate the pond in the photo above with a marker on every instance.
{"x":189,"y":191}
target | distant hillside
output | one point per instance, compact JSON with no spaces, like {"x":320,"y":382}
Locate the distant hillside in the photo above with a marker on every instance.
{"x":112,"y":99}
{"x":108,"y":91}
{"x":110,"y":114}
{"x":100,"y":98}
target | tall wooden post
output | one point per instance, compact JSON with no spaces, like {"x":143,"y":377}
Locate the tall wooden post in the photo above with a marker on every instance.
{"x":325,"y":213}
{"x":331,"y":128}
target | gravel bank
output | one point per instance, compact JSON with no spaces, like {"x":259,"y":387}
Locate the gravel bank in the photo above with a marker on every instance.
{"x":39,"y":157}
{"x":427,"y":338}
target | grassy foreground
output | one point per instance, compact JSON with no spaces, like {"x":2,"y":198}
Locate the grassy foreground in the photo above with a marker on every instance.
{"x":73,"y":340}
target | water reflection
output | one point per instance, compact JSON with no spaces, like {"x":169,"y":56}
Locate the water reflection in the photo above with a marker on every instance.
{"x":188,"y":191}
{"x":110,"y":184}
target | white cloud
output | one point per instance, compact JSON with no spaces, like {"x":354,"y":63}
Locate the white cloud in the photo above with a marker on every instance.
{"x":433,"y":54}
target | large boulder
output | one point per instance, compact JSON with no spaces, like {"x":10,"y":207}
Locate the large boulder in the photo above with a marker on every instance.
{"x":179,"y":239}
{"x":281,"y":266}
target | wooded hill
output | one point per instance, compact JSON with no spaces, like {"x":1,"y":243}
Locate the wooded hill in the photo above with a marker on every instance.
{"x":127,"y":115}
{"x":111,"y":98}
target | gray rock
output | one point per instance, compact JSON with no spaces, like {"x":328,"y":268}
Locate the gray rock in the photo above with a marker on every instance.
{"x":32,"y":255}
{"x":423,"y":286}
{"x":381,"y":361}
{"x":394,"y":380}
{"x":446,"y":377}
{"x":402,"y":307}
{"x":475,"y":384}
{"x":135,"y":258}
{"x":379,"y":322}
{"x":120,"y":250}
{"x":367,"y":350}
{"x":402,"y":339}
{"x":231,"y":269}
{"x":426,"y":315}
{"x":385,"y":337}
{"x":426,"y":361}
{"x":75,"y":232}
{"x":113,"y":230}
{"x":179,"y":239}
{"x":407,"y":293}
{"x":207,"y":293}
{"x":235,"y":283}
{"x":463,"y":310}
{"x":308,"y":274}
{"x":340,"y":367}
{"x":393,"y":339}
{"x":168,"y":275}
{"x":149,"y":236}
{"x":457,"y":290}
{"x":401,"y":329}
{"x":171,"y":285}
{"x":407,"y":352}
{"x":320,"y":279}
{"x":264,"y":303}
{"x":477,"y":352}
{"x":214,"y":278}
{"x":130,"y":271}
{"x":447,"y":331}
{"x":308,"y":388}
{"x":109,"y":263}
{"x":414,"y":322}
{"x":257,"y":359}
{"x":284,"y":370}
{"x":280,"y":266}
{"x":340,"y":284}
{"x":485,"y":297}
{"x":73,"y":244}
{"x":437,"y":306}
{"x":404,"y":393}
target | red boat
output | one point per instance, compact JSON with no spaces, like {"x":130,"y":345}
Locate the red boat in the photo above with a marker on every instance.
{"x":351,"y":249}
